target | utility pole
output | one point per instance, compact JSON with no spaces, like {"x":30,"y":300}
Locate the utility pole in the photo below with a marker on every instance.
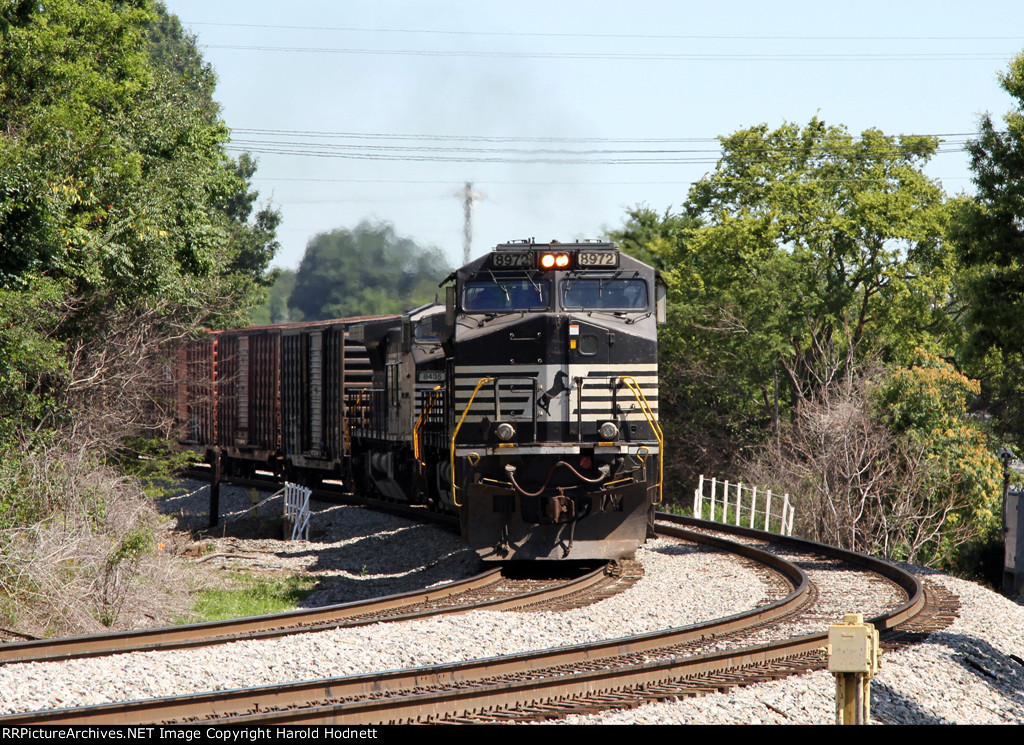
{"x":469,"y":200}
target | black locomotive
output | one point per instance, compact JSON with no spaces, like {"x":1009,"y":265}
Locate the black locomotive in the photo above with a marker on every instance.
{"x":527,"y":403}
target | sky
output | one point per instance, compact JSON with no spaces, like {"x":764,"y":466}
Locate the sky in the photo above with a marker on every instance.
{"x":564,"y":114}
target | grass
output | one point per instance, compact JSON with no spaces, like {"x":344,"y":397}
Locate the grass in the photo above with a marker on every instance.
{"x":256,"y":596}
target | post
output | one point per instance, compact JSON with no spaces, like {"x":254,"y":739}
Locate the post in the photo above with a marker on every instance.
{"x":1013,"y":532}
{"x":739,"y":501}
{"x":215,"y":476}
{"x":714,"y":483}
{"x":767,"y":508}
{"x":698,"y":497}
{"x":853,"y":658}
{"x":753,"y":507}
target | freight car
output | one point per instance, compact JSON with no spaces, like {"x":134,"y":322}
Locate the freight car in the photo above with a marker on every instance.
{"x":527,"y":403}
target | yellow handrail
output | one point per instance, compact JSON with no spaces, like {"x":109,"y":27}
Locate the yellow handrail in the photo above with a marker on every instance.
{"x":348,"y":419}
{"x":458,"y":426}
{"x":417,"y":444}
{"x":645,"y":407}
{"x":629,"y":382}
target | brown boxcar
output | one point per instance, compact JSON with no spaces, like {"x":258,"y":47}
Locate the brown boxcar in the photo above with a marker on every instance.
{"x":248,"y":379}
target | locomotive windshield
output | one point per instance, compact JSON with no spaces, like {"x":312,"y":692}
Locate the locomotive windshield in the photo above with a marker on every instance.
{"x":604,"y":294}
{"x":506,"y":294}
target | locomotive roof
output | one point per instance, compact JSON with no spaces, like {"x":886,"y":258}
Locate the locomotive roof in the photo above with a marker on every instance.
{"x":554,"y":245}
{"x":485,"y":262}
{"x":301,"y":325}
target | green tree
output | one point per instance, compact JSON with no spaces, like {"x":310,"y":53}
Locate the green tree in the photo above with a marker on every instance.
{"x":122,"y":218}
{"x":124,"y":225}
{"x":114,"y":177}
{"x":926,"y":402}
{"x":805,"y":253}
{"x":275,"y":308}
{"x":989,"y":234}
{"x":890,"y":463}
{"x":819,"y":247}
{"x":366,"y":271}
{"x":654,"y":239}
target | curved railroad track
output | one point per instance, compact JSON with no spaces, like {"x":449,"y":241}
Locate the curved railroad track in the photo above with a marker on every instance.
{"x":710,"y":656}
{"x":495,"y":589}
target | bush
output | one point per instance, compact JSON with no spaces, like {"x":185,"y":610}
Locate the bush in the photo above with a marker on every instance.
{"x":890,"y":464}
{"x":80,"y":552}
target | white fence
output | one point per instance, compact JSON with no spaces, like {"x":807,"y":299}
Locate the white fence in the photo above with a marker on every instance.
{"x":729,"y":500}
{"x":296,"y":510}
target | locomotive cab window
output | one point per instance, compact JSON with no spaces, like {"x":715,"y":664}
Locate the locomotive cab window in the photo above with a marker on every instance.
{"x":604,"y":294}
{"x":506,"y":294}
{"x":423,"y":331}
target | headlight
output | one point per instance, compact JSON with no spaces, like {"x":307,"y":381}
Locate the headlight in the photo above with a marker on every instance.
{"x":608,"y":431}
{"x":505,"y":431}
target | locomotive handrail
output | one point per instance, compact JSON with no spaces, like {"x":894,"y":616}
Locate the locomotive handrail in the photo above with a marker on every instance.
{"x":455,"y":433}
{"x":645,"y":407}
{"x":630,"y":382}
{"x":356,"y":407}
{"x":417,"y":430}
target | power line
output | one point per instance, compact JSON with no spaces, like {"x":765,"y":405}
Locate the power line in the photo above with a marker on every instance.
{"x":577,"y":35}
{"x":387,"y":150}
{"x":471,"y":138}
{"x":517,"y":138}
{"x":626,"y":56}
{"x":450,"y":182}
{"x":356,"y":148}
{"x":441,"y":197}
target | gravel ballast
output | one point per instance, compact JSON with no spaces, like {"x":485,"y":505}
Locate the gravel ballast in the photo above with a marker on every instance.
{"x":971,"y":672}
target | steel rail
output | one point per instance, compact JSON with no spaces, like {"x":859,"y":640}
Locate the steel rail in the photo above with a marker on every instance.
{"x":272,"y":701}
{"x":556,"y":685}
{"x":483,"y":696}
{"x":906,"y":581}
{"x":212,"y":632}
{"x":480,"y":685}
{"x":288,"y":622}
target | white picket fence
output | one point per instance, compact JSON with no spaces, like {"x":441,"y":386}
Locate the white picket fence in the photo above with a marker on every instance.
{"x":725,"y":497}
{"x":296,"y":510}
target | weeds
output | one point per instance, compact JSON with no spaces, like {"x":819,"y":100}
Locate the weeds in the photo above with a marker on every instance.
{"x":86,"y":556}
{"x":255,"y":597}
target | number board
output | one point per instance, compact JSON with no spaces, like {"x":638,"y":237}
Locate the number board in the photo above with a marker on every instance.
{"x":597,"y":259}
{"x":511,"y":260}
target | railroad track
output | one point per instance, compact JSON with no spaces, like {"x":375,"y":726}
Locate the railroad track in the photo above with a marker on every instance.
{"x":492,"y":590}
{"x":622,"y":672}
